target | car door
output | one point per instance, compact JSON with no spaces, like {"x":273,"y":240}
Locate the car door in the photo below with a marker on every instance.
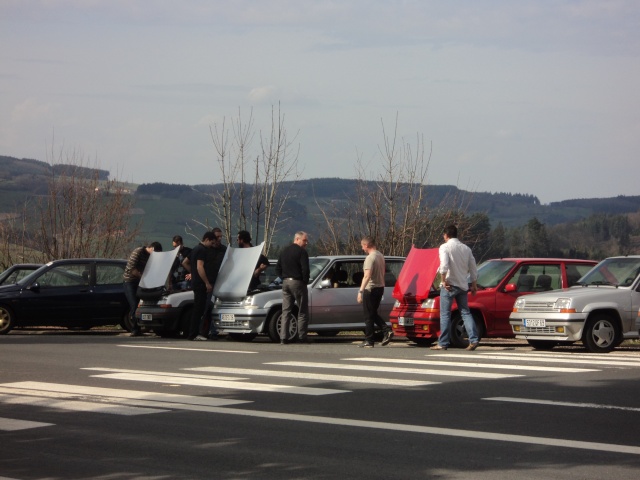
{"x":58,"y":296}
{"x":334,"y":303}
{"x":109,"y":301}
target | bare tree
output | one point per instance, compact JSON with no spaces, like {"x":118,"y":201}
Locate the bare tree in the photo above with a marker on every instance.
{"x":82,"y":215}
{"x":390,"y":206}
{"x":253,"y":192}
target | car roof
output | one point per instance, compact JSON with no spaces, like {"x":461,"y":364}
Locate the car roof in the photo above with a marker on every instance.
{"x":354,"y":257}
{"x":84,"y":260}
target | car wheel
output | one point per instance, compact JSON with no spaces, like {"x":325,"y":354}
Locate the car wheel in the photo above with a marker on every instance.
{"x":7,"y":320}
{"x":542,"y":344}
{"x":126,"y":321}
{"x":274,"y":327}
{"x":600,"y":334}
{"x":459,"y":337}
{"x":243,"y":337}
{"x":422,"y":341}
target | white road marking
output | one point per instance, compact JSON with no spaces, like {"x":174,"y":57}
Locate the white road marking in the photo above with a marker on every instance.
{"x":543,"y":359}
{"x":315,"y":376}
{"x":561,"y":404}
{"x":474,"y":365}
{"x":380,"y":368}
{"x":206,"y":350}
{"x":213,"y":383}
{"x":77,"y":405}
{"x":11,"y":425}
{"x":132,"y":397}
{"x":399,"y":427}
{"x":166,"y":374}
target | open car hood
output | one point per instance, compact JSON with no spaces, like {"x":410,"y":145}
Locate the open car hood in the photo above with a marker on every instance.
{"x":158,"y":267}
{"x":236,"y":271}
{"x":417,"y":275}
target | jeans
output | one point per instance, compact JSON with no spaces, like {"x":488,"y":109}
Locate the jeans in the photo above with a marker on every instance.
{"x":370,"y":303}
{"x":294,"y":290}
{"x":130,"y":291}
{"x":446,"y":300}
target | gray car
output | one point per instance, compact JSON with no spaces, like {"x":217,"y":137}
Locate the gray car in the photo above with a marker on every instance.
{"x":333,"y":288}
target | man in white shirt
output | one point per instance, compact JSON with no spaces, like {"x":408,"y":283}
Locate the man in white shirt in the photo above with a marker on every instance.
{"x":456,"y":264}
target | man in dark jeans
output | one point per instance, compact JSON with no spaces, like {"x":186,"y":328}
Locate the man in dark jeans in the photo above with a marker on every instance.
{"x":132,"y":274}
{"x":202,"y":280}
{"x":371,"y":291}
{"x":293,"y":269}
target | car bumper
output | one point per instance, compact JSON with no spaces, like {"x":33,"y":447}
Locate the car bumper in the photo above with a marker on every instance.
{"x":541,"y":326}
{"x":240,"y":320}
{"x":156,"y":317}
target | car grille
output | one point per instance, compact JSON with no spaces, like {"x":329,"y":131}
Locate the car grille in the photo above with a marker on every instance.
{"x":542,"y":307}
{"x":236,"y":323}
{"x":536,"y":330}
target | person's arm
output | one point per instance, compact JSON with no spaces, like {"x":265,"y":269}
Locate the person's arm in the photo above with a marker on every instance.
{"x":203,"y":275}
{"x":187,"y":266}
{"x":444,"y":266}
{"x":365,"y":282}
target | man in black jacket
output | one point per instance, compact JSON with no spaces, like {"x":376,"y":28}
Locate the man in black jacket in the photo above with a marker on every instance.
{"x":293,"y":269}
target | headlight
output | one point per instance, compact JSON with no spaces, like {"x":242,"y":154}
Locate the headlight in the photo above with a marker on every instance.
{"x":519,"y":303}
{"x":562,"y":304}
{"x":397,"y":304}
{"x":428,"y":303}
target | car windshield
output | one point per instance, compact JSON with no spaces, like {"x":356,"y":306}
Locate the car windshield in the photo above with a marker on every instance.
{"x":620,"y":272}
{"x":491,"y":272}
{"x":29,"y":278}
{"x":316,"y":265}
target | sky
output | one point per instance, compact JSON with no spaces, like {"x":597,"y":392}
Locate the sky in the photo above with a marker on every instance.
{"x":534,"y":97}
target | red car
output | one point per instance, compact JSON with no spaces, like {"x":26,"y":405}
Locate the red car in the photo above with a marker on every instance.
{"x":416,"y":313}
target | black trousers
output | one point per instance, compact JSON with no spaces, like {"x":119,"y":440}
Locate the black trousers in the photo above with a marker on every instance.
{"x":370,"y":303}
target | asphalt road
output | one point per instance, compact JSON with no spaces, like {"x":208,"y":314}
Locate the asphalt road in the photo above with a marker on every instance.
{"x":102,"y":405}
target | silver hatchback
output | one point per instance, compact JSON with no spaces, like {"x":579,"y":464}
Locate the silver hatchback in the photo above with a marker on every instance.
{"x":333,"y":307}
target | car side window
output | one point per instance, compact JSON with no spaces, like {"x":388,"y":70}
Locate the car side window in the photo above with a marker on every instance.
{"x":575,"y":273}
{"x":65,"y":276}
{"x":392,"y":270}
{"x":109,"y":274}
{"x":536,"y":278}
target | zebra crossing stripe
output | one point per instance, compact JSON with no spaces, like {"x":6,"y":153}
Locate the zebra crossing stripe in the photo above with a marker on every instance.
{"x":561,"y":404}
{"x":536,"y":368}
{"x":601,"y":361}
{"x":382,"y":368}
{"x":12,"y":425}
{"x":315,"y":376}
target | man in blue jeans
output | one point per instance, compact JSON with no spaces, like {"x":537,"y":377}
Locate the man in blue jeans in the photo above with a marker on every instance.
{"x":456,"y":264}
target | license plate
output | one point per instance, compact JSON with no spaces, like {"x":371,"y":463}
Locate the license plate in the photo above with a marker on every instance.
{"x":534,"y":322}
{"x":146,"y":317}
{"x":227,"y":317}
{"x":405,"y":321}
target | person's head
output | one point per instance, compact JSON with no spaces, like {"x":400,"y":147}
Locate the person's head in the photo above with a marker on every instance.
{"x":301,"y":239}
{"x":177,"y":241}
{"x":208,"y":239}
{"x":154,"y":247}
{"x":450,"y":231}
{"x":219,"y":236}
{"x":244,"y":239}
{"x":368,"y":243}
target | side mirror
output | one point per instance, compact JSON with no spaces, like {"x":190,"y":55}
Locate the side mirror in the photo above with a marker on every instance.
{"x":511,"y":287}
{"x":34,"y":287}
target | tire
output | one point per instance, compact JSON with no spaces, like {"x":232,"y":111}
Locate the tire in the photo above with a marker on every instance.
{"x":126,"y":321}
{"x":542,"y":344}
{"x":421,"y":341}
{"x":242,"y":337}
{"x":459,"y":337}
{"x":601,"y":334}
{"x":274,"y":326}
{"x":7,"y":320}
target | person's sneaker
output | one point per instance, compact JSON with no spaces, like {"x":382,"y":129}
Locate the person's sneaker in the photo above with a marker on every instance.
{"x":438,"y":347}
{"x":387,"y":338}
{"x":365,"y":345}
{"x":472,"y":346}
{"x":200,"y":338}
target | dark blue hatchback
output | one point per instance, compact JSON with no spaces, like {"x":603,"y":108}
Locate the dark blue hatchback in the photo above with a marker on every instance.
{"x":73,"y":293}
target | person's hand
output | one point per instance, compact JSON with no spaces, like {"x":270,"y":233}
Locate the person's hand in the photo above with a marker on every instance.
{"x":187,"y":277}
{"x":359,"y":297}
{"x":209,"y":287}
